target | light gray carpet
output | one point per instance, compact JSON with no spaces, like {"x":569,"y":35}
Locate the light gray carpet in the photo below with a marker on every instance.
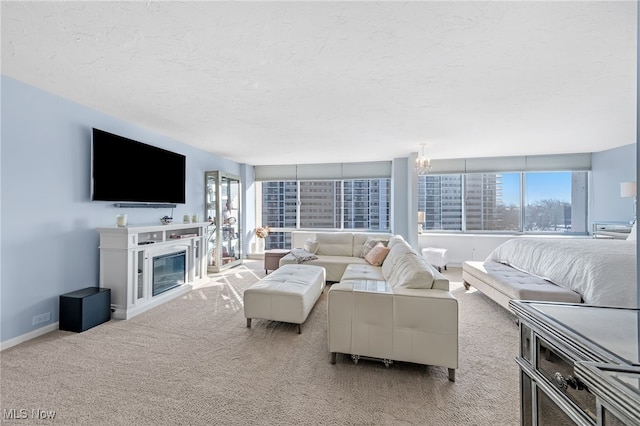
{"x":193,"y":361}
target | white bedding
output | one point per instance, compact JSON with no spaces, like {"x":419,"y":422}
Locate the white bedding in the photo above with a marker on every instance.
{"x":602,"y":271}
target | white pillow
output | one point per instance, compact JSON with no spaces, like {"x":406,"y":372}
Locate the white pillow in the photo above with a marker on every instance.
{"x":368,"y":245}
{"x":311,"y":245}
{"x":632,"y":234}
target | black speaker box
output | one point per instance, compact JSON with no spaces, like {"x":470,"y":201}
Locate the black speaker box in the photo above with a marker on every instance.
{"x":82,"y":309}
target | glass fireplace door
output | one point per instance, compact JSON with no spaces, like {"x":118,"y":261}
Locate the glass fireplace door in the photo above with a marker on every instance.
{"x":168,"y":272}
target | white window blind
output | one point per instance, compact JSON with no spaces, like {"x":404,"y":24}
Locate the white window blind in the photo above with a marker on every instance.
{"x":326,"y":171}
{"x":284,"y":172}
{"x":529,"y":163}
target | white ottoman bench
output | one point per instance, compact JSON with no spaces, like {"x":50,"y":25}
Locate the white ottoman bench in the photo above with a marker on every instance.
{"x":436,"y":257}
{"x":286,"y":295}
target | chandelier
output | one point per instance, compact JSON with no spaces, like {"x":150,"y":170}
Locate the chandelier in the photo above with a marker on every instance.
{"x":423,"y":164}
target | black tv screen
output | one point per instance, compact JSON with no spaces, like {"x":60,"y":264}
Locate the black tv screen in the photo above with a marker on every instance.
{"x":129,"y":171}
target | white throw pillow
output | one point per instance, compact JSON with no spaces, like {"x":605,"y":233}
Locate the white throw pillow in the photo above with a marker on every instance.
{"x":311,"y":245}
{"x":369,"y":244}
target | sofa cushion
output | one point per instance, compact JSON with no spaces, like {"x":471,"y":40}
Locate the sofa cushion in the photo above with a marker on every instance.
{"x":361,"y":248}
{"x":377,"y":255}
{"x":396,"y":239}
{"x":334,"y":265}
{"x":368,"y":246}
{"x":395,"y":253}
{"x":364,"y":272}
{"x":503,"y":283}
{"x":335,"y":243}
{"x":411,"y":271}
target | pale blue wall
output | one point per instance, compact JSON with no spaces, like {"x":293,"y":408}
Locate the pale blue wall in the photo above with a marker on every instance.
{"x":400,"y":197}
{"x":608,"y":169}
{"x":248,"y":207}
{"x":49,"y":244}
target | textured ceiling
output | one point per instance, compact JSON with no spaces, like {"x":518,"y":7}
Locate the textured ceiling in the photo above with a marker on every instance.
{"x":309,"y":82}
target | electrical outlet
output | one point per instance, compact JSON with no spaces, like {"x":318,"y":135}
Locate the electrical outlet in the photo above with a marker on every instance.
{"x":39,"y":319}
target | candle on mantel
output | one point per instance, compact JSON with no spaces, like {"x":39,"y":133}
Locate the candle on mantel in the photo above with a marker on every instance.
{"x":121,"y":220}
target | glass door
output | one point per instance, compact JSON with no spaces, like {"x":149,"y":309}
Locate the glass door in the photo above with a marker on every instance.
{"x":211,"y":213}
{"x":230,"y":194}
{"x":223,"y":209}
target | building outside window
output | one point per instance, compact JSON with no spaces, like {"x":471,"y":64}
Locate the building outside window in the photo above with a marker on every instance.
{"x":320,"y":205}
{"x":440,"y":197}
{"x":279,"y":210}
{"x":483,"y":202}
{"x":355,"y":204}
{"x":527,"y":202}
{"x":535,"y":202}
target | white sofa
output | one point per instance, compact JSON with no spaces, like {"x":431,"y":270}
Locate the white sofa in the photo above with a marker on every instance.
{"x":335,"y":250}
{"x":400,"y":311}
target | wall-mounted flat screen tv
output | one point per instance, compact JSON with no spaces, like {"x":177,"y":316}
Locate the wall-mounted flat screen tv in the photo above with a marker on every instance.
{"x":125,"y":170}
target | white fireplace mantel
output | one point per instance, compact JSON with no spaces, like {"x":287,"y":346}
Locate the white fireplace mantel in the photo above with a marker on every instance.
{"x":126,"y":263}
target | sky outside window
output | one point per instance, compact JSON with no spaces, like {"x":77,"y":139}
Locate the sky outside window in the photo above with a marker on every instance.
{"x":540,"y":186}
{"x":548,"y":186}
{"x":511,"y":188}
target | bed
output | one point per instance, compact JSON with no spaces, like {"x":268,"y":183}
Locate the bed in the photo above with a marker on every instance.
{"x":593,"y":271}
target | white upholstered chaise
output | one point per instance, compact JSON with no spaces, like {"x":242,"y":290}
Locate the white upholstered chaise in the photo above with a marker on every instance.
{"x":503,"y":283}
{"x":288,"y":294}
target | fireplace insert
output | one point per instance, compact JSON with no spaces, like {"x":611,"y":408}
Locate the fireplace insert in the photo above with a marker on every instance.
{"x":168,"y":271}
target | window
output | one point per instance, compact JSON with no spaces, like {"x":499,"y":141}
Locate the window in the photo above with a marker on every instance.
{"x":440,"y":197}
{"x":320,"y":205}
{"x":366,"y":204}
{"x":555,"y":202}
{"x":485,"y":204}
{"x":279,"y":210}
{"x":362,"y":204}
{"x":477,"y":202}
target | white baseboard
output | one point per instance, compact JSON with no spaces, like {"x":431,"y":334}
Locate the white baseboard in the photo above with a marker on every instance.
{"x":121,"y":313}
{"x":28,"y":336}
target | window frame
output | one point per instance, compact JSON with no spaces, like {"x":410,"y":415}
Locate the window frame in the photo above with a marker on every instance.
{"x":337,"y":183}
{"x":522,"y":206}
